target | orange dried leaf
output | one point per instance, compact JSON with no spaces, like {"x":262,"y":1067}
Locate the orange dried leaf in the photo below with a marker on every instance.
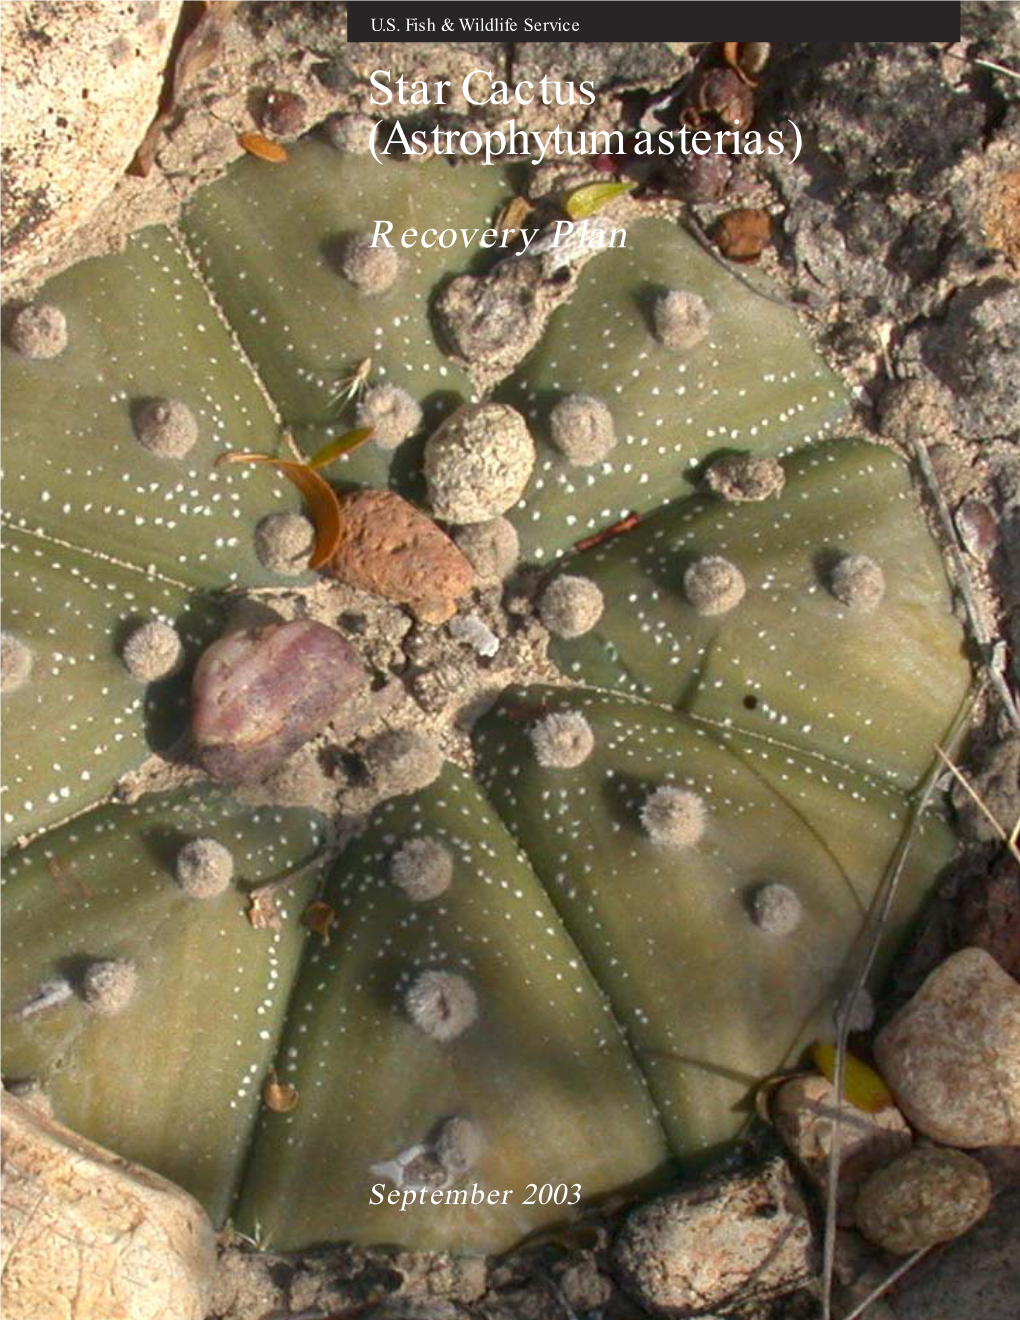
{"x":343,"y":445}
{"x":319,"y":495}
{"x":257,"y":145}
{"x":279,"y":1096}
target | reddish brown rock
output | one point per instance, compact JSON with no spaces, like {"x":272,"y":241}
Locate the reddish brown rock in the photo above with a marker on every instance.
{"x":390,"y":548}
{"x":260,"y":694}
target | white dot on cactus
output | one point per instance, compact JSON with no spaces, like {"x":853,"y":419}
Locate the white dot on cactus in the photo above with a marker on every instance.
{"x":571,"y":605}
{"x":15,"y":662}
{"x":422,"y":868}
{"x":713,"y":585}
{"x":204,"y":868}
{"x":441,"y":1004}
{"x":370,"y":269}
{"x":857,"y":582}
{"x":38,"y":331}
{"x":458,"y":1145}
{"x":391,"y":413}
{"x":562,"y":740}
{"x":165,"y":427}
{"x":283,"y":543}
{"x":776,"y":909}
{"x":673,"y":817}
{"x":108,"y":985}
{"x":581,"y":427}
{"x":152,"y":652}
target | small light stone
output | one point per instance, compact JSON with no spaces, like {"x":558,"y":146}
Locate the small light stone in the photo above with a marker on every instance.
{"x":391,"y":413}
{"x":562,"y":740}
{"x":109,"y":985}
{"x":442,"y":1004}
{"x":165,"y":427}
{"x":713,"y":585}
{"x":402,"y":761}
{"x":680,"y":320}
{"x":16,"y":661}
{"x":492,"y":548}
{"x":571,"y":605}
{"x":776,"y":909}
{"x":31,"y":1091}
{"x":369,"y":268}
{"x":473,"y":631}
{"x":477,"y":464}
{"x":581,"y":427}
{"x":283,"y":543}
{"x":350,"y":134}
{"x":153,"y":652}
{"x":39,"y":331}
{"x":742,"y":478}
{"x":858,"y":583}
{"x":422,"y":868}
{"x":926,"y":1196}
{"x":673,"y":817}
{"x":204,"y":868}
{"x":458,"y":1146}
{"x":951,"y":1056}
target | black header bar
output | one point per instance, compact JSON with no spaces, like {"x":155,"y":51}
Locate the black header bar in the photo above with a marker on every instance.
{"x":656,"y":20}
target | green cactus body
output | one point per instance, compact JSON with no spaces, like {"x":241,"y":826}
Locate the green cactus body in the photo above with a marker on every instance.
{"x":273,"y":257}
{"x":668,"y":930}
{"x":174,"y":1080}
{"x":541,"y":1072}
{"x":645,"y":902}
{"x":875,"y":690}
{"x":752,"y":383}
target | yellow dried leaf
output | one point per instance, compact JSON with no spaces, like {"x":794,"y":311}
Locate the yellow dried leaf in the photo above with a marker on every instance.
{"x":592,"y":197}
{"x":862,"y":1086}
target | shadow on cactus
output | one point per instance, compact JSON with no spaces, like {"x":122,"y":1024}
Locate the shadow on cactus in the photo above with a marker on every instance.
{"x":572,"y":966}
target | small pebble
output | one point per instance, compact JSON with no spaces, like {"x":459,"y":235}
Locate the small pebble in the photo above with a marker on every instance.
{"x":153,"y":652}
{"x":39,"y":331}
{"x":474,"y":632}
{"x":165,"y":427}
{"x":283,"y":114}
{"x":926,"y":1196}
{"x":477,"y":464}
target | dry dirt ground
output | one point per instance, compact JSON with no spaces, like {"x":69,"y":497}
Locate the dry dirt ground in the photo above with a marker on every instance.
{"x":897,"y":235}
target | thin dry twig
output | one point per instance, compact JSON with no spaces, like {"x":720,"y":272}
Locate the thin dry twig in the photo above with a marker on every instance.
{"x":262,"y":912}
{"x":875,"y":922}
{"x":1009,"y":840}
{"x":990,"y":647}
{"x":886,"y":1283}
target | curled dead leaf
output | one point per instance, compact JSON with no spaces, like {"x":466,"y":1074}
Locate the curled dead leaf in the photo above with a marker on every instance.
{"x":319,"y":495}
{"x":747,"y":58}
{"x":278,"y":1096}
{"x":264,"y":148}
{"x":320,"y":919}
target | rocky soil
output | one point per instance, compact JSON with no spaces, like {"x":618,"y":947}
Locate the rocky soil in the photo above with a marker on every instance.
{"x":897,"y":235}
